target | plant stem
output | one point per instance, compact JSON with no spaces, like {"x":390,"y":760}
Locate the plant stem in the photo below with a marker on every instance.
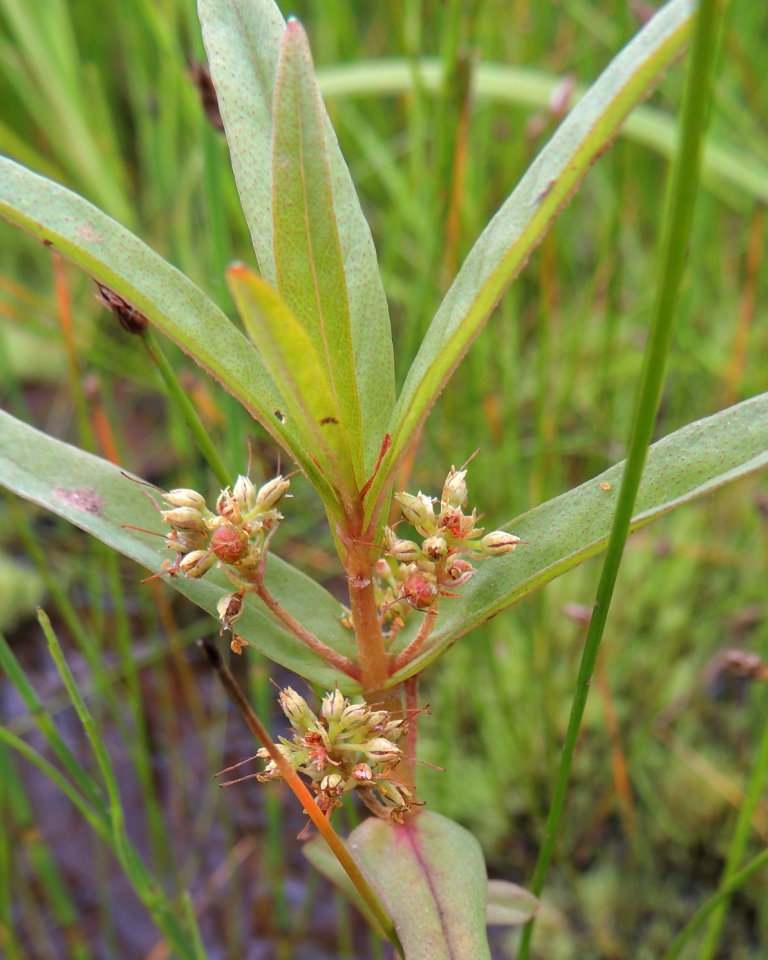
{"x":413,"y":648}
{"x":300,"y":789}
{"x":188,"y":411}
{"x":738,"y":842}
{"x":365,"y":616}
{"x":301,"y":632}
{"x":709,"y":906}
{"x":674,"y":246}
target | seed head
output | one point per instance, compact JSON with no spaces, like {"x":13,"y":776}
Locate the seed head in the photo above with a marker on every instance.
{"x":185,"y":518}
{"x":197,"y":563}
{"x":244,"y":493}
{"x":420,"y":592}
{"x":417,"y":510}
{"x":498,"y":543}
{"x":435,"y":548}
{"x":405,"y":551}
{"x":381,"y":750}
{"x":229,"y":608}
{"x":297,"y":710}
{"x":185,"y":498}
{"x":229,"y":543}
{"x":333,"y":706}
{"x":272,"y":493}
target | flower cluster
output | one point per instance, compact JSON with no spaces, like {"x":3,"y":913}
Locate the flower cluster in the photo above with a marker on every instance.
{"x":236,"y":536}
{"x":348,"y":746}
{"x":420,"y":573}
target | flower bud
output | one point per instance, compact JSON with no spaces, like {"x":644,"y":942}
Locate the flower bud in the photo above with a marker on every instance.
{"x":417,"y":510}
{"x":244,"y":493}
{"x":333,"y":784}
{"x":229,"y":543}
{"x":272,"y":493}
{"x":419,"y":592}
{"x":229,"y":608}
{"x":297,"y":710}
{"x":333,"y":706}
{"x":455,"y":488}
{"x":459,"y":571}
{"x":185,"y":498}
{"x":435,"y":548}
{"x":197,"y":563}
{"x":394,"y":729}
{"x":498,"y":543}
{"x":184,"y":518}
{"x":354,"y":714}
{"x":228,"y":508}
{"x":405,"y":551}
{"x":381,"y":750}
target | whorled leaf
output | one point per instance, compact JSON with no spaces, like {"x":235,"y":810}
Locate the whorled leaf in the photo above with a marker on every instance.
{"x":99,"y":498}
{"x":430,"y":875}
{"x":308,"y":259}
{"x":564,"y":532}
{"x":243,"y":40}
{"x":503,"y":248}
{"x":115,"y":257}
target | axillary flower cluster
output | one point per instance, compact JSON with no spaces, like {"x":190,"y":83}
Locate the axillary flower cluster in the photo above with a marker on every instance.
{"x":349,"y":746}
{"x":419,"y":574}
{"x":236,"y":537}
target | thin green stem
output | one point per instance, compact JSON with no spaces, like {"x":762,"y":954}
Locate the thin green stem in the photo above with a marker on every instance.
{"x":677,"y":231}
{"x":709,"y":906}
{"x":738,"y":842}
{"x":182,"y":401}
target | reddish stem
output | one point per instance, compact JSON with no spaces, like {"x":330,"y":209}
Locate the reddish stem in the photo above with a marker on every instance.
{"x":413,"y":648}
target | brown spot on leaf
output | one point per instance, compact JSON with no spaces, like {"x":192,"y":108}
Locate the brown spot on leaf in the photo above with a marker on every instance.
{"x":81,"y":498}
{"x":326,"y":420}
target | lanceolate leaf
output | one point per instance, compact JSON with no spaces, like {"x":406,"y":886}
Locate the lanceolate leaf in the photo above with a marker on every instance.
{"x":97,"y":497}
{"x":430,"y":875}
{"x":566,"y":531}
{"x":308,"y":261}
{"x":243,"y":40}
{"x":505,"y":245}
{"x":115,"y":257}
{"x":291,"y":358}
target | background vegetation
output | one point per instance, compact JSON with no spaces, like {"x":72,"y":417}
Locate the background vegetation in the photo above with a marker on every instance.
{"x":99,"y":96}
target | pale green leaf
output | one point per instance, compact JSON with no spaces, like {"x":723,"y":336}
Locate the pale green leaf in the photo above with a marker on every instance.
{"x":115,"y":257}
{"x":242,"y":40}
{"x":291,"y":358}
{"x":566,"y":531}
{"x":98,"y":497}
{"x":505,"y":245}
{"x":308,"y":260}
{"x":509,"y":905}
{"x":430,"y":875}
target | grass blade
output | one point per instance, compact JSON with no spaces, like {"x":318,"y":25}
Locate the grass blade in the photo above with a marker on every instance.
{"x":674,"y":249}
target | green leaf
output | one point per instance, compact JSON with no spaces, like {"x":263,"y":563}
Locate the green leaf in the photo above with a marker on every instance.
{"x":566,"y":531}
{"x":308,"y":261}
{"x":243,"y":39}
{"x":98,"y":497}
{"x":291,"y":358}
{"x":115,"y":257}
{"x":509,"y":905}
{"x":430,"y":875}
{"x":505,"y":245}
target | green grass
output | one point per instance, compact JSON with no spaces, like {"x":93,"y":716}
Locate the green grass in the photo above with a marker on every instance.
{"x":97,"y":95}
